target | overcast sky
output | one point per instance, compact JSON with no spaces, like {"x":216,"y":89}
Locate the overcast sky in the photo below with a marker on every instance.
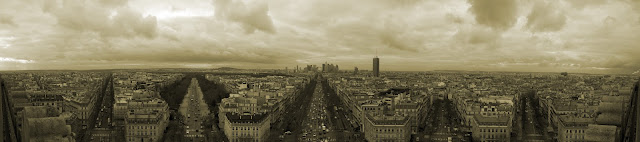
{"x":594,"y":36}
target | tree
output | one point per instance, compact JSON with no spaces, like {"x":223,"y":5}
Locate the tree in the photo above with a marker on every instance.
{"x":564,"y":73}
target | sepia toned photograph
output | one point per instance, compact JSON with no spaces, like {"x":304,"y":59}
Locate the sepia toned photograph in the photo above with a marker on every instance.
{"x":319,"y":70}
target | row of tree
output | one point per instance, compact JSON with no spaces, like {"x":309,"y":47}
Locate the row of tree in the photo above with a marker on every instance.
{"x":174,"y":93}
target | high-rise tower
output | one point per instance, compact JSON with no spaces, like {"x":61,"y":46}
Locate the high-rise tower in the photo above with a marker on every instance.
{"x":376,"y":65}
{"x":355,"y":70}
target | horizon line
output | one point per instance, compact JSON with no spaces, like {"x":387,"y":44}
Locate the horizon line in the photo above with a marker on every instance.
{"x":453,"y":70}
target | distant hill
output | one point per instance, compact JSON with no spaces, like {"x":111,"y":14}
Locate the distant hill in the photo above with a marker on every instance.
{"x":226,"y":68}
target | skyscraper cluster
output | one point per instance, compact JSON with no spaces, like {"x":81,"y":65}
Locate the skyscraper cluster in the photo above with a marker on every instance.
{"x":329,"y":68}
{"x":310,"y":68}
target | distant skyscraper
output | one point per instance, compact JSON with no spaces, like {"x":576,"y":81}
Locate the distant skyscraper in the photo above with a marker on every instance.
{"x":355,"y":70}
{"x":324,"y":67}
{"x":376,"y":66}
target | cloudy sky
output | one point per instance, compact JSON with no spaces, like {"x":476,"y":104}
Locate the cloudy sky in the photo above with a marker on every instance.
{"x":593,"y":36}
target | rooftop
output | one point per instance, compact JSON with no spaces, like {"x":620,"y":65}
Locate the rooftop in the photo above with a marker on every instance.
{"x":48,"y":126}
{"x":144,"y":116}
{"x":386,"y":119}
{"x":45,"y":97}
{"x":245,"y":118}
{"x":600,"y":132}
{"x":500,"y":120}
{"x":40,"y":111}
{"x":572,"y":121}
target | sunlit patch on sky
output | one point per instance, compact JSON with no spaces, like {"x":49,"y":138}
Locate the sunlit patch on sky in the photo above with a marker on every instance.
{"x":6,"y":59}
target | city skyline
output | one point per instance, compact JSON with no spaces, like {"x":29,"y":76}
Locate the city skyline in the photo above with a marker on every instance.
{"x":309,"y":105}
{"x":410,"y":35}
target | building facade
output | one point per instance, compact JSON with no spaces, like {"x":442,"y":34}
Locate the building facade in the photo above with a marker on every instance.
{"x":145,"y":125}
{"x":573,"y":129}
{"x":246,"y":127}
{"x":491,"y":129}
{"x":53,"y":100}
{"x":387,"y":128}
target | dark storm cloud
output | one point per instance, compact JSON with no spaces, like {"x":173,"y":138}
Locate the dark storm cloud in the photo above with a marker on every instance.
{"x":498,"y":14}
{"x":477,"y":35}
{"x":394,"y":42}
{"x":510,"y":35}
{"x":252,"y":16}
{"x":131,"y":23}
{"x":88,"y":16}
{"x":189,"y":56}
{"x":391,"y":35}
{"x":6,"y":19}
{"x":635,"y":4}
{"x":545,"y":17}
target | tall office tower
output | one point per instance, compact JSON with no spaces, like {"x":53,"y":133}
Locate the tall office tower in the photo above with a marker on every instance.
{"x":323,"y":67}
{"x":355,"y":70}
{"x":376,"y":67}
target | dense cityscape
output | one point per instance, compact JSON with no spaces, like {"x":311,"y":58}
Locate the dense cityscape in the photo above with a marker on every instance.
{"x":316,"y":104}
{"x":319,"y":70}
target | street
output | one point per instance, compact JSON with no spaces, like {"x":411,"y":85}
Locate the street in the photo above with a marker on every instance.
{"x":343,"y":124}
{"x":193,"y":109}
{"x":106,"y":112}
{"x":443,"y":123}
{"x":295,"y":112}
{"x":93,"y":120}
{"x":531,"y":127}
{"x":315,"y":124}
